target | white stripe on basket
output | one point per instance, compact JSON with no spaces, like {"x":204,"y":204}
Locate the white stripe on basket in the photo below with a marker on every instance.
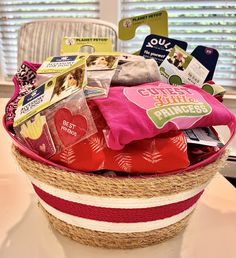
{"x":112,"y":202}
{"x":115,"y":227}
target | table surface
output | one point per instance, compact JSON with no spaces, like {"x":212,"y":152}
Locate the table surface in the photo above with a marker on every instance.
{"x":25,"y":231}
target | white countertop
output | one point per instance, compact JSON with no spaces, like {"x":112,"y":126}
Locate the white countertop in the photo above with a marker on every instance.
{"x":25,"y":232}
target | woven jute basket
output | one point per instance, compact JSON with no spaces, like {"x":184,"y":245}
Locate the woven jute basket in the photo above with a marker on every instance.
{"x":117,"y":212}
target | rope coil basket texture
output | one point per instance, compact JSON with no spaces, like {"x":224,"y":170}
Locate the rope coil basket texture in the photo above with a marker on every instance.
{"x":117,"y":212}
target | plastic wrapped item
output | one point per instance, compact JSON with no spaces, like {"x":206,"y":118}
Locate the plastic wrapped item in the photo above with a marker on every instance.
{"x":36,"y":135}
{"x":42,"y":78}
{"x":58,"y":127}
{"x":100,"y":70}
{"x":135,"y":72}
{"x":98,"y":83}
{"x":70,"y":121}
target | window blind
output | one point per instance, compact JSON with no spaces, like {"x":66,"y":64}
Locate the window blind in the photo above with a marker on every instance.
{"x":207,"y":23}
{"x":14,"y":13}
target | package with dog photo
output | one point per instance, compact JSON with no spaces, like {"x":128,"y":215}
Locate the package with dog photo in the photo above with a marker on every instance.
{"x":100,"y":70}
{"x":69,"y":82}
{"x":179,"y":68}
{"x":102,"y":61}
{"x":32,"y":123}
{"x":53,"y":90}
{"x":55,"y":66}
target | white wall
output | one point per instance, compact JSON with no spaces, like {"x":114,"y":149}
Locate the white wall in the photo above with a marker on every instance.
{"x":110,"y":10}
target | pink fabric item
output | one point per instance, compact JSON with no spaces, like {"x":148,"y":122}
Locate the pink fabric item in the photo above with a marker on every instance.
{"x":144,"y":111}
{"x":24,"y":83}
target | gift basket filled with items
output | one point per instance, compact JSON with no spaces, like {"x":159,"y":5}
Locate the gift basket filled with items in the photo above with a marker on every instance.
{"x":119,"y":147}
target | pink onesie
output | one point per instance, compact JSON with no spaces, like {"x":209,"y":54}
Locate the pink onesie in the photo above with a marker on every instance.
{"x":144,"y":111}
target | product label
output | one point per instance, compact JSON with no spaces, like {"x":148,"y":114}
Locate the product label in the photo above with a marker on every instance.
{"x":179,"y":68}
{"x":202,"y":136}
{"x":158,"y":47}
{"x":58,"y":64}
{"x":74,"y":45}
{"x":157,"y":21}
{"x":35,"y":100}
{"x":70,"y":128}
{"x":166,"y":103}
{"x":207,"y":57}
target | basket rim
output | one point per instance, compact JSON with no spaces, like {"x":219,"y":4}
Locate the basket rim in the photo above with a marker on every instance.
{"x":32,"y":155}
{"x":62,"y":168}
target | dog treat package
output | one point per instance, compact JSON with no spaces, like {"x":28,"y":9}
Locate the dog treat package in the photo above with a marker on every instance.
{"x":58,"y":126}
{"x":53,"y":105}
{"x":179,"y":68}
{"x":55,"y":65}
{"x":144,"y":111}
{"x":148,"y":156}
{"x":100,"y":70}
{"x":27,"y":79}
{"x":135,"y":71}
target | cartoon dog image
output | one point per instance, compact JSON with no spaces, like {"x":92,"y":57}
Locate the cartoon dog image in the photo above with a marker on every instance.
{"x":178,"y":59}
{"x":94,"y":61}
{"x":69,"y":80}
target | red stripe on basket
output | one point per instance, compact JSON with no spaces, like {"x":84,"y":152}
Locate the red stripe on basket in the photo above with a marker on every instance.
{"x":116,"y":214}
